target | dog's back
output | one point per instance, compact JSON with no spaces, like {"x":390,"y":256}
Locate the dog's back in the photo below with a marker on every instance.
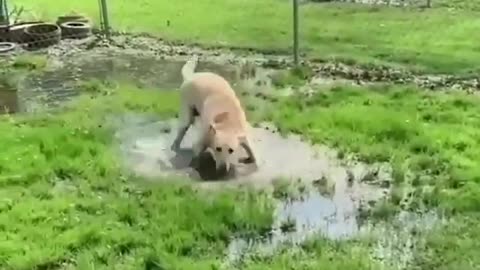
{"x":210,"y":94}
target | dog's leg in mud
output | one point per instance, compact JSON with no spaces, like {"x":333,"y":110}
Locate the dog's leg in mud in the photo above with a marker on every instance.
{"x":186,"y":119}
{"x":198,"y":147}
{"x":246,"y":143}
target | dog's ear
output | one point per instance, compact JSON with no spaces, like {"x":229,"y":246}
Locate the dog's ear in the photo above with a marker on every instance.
{"x":220,"y":117}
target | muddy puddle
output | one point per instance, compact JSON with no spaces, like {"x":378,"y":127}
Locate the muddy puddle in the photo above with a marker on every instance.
{"x":327,"y":193}
{"x":332,"y":192}
{"x":146,"y":142}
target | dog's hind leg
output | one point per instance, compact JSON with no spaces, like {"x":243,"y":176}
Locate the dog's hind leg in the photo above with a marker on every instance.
{"x":186,"y":118}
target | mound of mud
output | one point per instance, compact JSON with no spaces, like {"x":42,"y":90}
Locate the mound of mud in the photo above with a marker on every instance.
{"x":206,"y":168}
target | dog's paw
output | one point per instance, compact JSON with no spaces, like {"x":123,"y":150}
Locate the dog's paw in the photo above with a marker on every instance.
{"x":247,"y":160}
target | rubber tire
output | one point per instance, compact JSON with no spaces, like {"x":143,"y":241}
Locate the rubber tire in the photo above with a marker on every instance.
{"x":39,"y":40}
{"x":7,"y":46}
{"x":16,"y":32}
{"x":72,"y":18}
{"x":4,"y":33}
{"x":75,"y":30}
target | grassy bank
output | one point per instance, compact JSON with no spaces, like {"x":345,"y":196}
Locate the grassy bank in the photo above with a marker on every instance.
{"x":431,"y":40}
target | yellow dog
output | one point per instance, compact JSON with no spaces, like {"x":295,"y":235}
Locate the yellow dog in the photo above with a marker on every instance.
{"x":224,"y":125}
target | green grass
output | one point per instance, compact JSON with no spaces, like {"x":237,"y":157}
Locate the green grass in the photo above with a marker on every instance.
{"x":67,"y":203}
{"x":451,"y":247}
{"x":434,"y":135}
{"x":317,"y":254}
{"x":431,"y":40}
{"x":431,"y":139}
{"x":65,"y":199}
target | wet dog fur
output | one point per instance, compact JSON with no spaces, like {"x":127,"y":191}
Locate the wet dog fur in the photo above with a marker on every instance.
{"x":223,"y":121}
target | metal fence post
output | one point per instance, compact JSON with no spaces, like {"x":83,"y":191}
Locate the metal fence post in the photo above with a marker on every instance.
{"x":295,"y":32}
{"x":105,"y":19}
{"x":3,"y":12}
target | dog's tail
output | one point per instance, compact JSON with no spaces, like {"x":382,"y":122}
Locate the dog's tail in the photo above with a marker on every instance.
{"x":189,"y":68}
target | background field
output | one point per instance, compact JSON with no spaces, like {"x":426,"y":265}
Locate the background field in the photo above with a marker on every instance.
{"x":430,"y":40}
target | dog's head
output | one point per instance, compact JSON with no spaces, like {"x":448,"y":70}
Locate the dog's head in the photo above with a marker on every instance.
{"x":224,"y":142}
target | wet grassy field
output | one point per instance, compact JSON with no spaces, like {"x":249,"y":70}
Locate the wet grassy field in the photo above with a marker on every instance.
{"x":429,"y":40}
{"x":67,"y":202}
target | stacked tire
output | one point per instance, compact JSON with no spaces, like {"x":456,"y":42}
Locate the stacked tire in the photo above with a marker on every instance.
{"x":7,"y":46}
{"x":74,"y":26}
{"x":3,"y":33}
{"x":42,"y":35}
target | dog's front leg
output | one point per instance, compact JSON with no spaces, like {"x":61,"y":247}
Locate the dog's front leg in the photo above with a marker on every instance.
{"x":199,"y":146}
{"x":197,"y":149}
{"x":186,"y":119}
{"x":247,"y":145}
